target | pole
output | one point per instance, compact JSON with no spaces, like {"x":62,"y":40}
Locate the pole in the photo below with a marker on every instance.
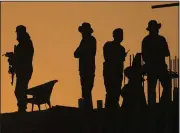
{"x":133,"y":56}
{"x":124,"y":79}
{"x":171,"y":71}
{"x":165,"y":5}
{"x":159,"y":90}
{"x":178,"y":72}
{"x":175,"y":63}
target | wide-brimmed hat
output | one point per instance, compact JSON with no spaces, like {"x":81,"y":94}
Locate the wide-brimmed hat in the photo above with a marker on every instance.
{"x":85,"y":28}
{"x":153,"y":25}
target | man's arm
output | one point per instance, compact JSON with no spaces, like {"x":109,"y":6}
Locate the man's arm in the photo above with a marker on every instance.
{"x":124,"y":53}
{"x":144,"y":51}
{"x":77,"y":53}
{"x":93,"y":50}
{"x":27,"y":53}
{"x":106,"y":51}
{"x":89,"y":48}
{"x":166,"y":48}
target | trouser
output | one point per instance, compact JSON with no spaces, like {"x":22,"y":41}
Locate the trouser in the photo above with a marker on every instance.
{"x":20,"y":92}
{"x":164,"y":77}
{"x":87,"y":83}
{"x":112,"y":84}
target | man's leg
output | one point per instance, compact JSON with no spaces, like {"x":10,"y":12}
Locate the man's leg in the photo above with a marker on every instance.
{"x":117,"y":91}
{"x":20,"y":93}
{"x":109,"y":98}
{"x":108,"y":82}
{"x":165,"y":100}
{"x":87,"y":83}
{"x":166,"y":83}
{"x":152,"y":81}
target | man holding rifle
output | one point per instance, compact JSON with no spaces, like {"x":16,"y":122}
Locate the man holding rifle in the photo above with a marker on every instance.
{"x":20,"y":63}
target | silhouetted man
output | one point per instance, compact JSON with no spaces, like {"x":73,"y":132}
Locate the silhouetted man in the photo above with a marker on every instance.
{"x":154,"y":51}
{"x":23,"y":57}
{"x":114,"y":55}
{"x":133,"y":92}
{"x":86,"y":53}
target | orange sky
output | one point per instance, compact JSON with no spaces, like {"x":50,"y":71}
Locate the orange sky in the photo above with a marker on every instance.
{"x":53,"y":29}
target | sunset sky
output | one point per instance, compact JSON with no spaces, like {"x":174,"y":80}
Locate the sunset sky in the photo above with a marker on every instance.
{"x":53,"y":27}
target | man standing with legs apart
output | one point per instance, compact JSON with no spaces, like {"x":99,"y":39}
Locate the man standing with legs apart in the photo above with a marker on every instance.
{"x":154,"y":51}
{"x":86,"y":53}
{"x":23,"y":57}
{"x":114,"y":55}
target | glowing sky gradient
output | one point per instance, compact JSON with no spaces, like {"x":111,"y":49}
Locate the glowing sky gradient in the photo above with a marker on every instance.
{"x":53,"y":28}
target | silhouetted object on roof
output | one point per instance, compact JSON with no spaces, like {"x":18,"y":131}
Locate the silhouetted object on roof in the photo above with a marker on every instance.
{"x":41,"y":94}
{"x":176,"y":96}
{"x":133,"y":92}
{"x":175,"y":107}
{"x":165,"y":5}
{"x":114,"y":56}
{"x":154,"y":51}
{"x":99,"y":104}
{"x":173,"y":75}
{"x":80,"y":103}
{"x":86,"y":53}
{"x":20,"y":62}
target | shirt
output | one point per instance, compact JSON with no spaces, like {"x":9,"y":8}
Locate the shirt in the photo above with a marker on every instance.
{"x":114,"y":56}
{"x":154,"y":50}
{"x":86,"y":53}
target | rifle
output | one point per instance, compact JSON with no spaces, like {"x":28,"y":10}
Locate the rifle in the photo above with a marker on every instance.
{"x":8,"y":54}
{"x":11,"y":70}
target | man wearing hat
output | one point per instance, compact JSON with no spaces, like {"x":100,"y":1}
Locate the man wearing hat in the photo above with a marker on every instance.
{"x":23,"y":57}
{"x":154,"y":51}
{"x":114,"y":56}
{"x":86,"y":53}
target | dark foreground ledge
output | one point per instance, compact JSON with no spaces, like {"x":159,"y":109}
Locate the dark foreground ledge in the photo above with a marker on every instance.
{"x":61,"y":119}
